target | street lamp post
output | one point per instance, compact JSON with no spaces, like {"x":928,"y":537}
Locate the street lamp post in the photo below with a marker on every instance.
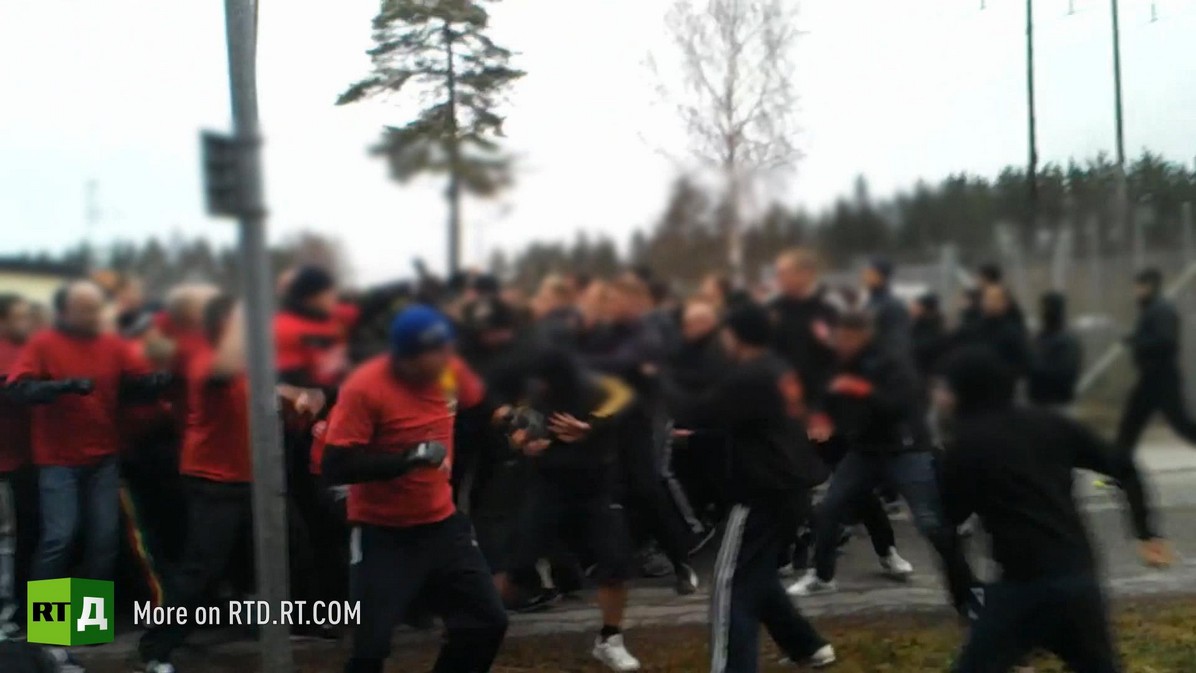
{"x":269,"y":485}
{"x":1121,"y":190}
{"x":1032,"y":169}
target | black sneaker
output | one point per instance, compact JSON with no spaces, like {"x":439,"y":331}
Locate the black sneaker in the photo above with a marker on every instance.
{"x":537,"y":602}
{"x":687,"y":581}
{"x":653,"y":563}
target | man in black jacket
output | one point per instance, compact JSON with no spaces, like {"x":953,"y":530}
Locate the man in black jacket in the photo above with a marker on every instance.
{"x":928,"y":333}
{"x":697,"y":366}
{"x":877,"y":411}
{"x":630,"y":349}
{"x":769,"y":469}
{"x":1055,"y":356}
{"x":998,"y":328}
{"x":570,"y":433}
{"x":1154,"y":346}
{"x":1013,"y":467}
{"x":889,"y":315}
{"x":804,"y":320}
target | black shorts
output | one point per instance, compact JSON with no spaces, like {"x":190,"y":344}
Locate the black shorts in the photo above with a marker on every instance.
{"x":589,"y":523}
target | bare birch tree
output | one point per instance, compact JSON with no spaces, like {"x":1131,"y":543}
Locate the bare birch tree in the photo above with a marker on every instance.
{"x":735,"y":97}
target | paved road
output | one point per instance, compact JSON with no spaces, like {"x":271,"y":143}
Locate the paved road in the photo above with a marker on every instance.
{"x":863,"y":589}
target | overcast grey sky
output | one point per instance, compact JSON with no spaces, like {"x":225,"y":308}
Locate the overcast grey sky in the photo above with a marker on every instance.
{"x":116,"y":91}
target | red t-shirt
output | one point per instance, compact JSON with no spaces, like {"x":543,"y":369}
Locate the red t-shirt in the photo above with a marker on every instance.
{"x":378,"y":412}
{"x":347,"y":314}
{"x":216,"y":441}
{"x":311,"y":352}
{"x":14,"y":418}
{"x":77,"y":430}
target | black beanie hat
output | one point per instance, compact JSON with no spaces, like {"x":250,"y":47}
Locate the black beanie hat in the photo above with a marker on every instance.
{"x":308,"y":282}
{"x":751,"y":324}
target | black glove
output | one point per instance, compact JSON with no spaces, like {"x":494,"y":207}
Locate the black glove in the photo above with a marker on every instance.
{"x":530,"y":421}
{"x":77,"y":386}
{"x":45,"y":392}
{"x":428,"y":454}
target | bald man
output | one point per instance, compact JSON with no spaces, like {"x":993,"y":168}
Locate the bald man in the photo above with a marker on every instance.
{"x":697,"y":366}
{"x":75,"y":376}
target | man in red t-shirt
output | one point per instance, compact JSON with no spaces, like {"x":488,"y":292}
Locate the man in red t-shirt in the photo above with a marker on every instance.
{"x":217,"y":467}
{"x":391,"y":438}
{"x":77,"y":376}
{"x":18,"y":514}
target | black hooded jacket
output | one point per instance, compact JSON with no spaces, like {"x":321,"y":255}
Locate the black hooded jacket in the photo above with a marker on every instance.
{"x":1013,"y":467}
{"x":1055,"y":358}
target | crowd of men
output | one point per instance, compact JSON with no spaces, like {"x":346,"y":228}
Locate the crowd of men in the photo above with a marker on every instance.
{"x":455,"y":449}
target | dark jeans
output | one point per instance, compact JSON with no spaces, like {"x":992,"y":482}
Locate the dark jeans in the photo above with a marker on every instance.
{"x":869,"y":512}
{"x":438,"y":564}
{"x":1064,"y":615}
{"x":912,"y":475}
{"x":219,"y":522}
{"x":1160,"y":391}
{"x":18,"y":539}
{"x":748,"y":592}
{"x":78,"y":502}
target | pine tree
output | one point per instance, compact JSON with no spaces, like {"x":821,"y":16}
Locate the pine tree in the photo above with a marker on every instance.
{"x":437,"y":52}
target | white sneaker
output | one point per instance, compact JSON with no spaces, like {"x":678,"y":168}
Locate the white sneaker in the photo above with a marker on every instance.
{"x":895,"y":566}
{"x":825,"y":656}
{"x":159,"y":667}
{"x":810,"y":585}
{"x":64,"y":661}
{"x":614,"y":654}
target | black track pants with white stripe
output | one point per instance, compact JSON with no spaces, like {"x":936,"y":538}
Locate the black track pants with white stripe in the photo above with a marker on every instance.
{"x":748,"y":592}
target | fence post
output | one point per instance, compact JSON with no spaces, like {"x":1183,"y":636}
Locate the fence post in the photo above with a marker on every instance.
{"x":1095,"y":265}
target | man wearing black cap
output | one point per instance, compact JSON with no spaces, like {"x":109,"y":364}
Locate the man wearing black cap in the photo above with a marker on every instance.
{"x":391,"y":438}
{"x":768,"y":469}
{"x":1013,"y":467}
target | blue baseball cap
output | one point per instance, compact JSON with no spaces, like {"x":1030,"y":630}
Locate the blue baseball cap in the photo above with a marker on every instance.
{"x":419,"y":329}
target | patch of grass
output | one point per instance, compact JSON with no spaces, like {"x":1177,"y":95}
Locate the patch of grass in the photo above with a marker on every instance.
{"x":1155,"y":637}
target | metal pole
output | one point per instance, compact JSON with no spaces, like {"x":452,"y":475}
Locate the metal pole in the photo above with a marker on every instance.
{"x":269,"y":484}
{"x":1121,"y":189}
{"x":1032,"y":177}
{"x":454,"y":185}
